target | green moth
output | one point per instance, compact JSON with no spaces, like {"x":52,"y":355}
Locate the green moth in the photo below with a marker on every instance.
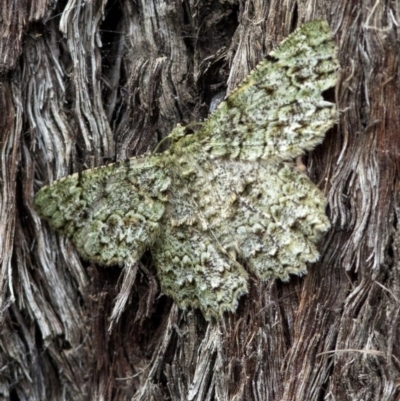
{"x":224,"y":201}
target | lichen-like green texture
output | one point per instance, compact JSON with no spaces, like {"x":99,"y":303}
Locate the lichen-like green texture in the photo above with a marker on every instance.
{"x":223,"y":202}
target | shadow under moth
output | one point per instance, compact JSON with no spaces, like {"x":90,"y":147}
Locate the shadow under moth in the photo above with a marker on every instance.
{"x":224,"y":201}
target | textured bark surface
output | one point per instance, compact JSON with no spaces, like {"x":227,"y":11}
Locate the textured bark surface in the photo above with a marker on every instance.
{"x":85,"y":83}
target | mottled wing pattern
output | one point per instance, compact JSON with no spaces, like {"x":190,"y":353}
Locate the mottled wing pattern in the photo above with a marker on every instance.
{"x":278,"y":112}
{"x":111,"y":213}
{"x":196,"y":271}
{"x":267,"y":217}
{"x":221,"y":199}
{"x":276,"y":217}
{"x":237,"y":178}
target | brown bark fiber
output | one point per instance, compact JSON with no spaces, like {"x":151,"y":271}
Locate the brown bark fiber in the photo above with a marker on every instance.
{"x":85,"y":83}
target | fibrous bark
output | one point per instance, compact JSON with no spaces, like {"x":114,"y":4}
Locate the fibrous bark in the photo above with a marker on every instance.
{"x":86,"y":83}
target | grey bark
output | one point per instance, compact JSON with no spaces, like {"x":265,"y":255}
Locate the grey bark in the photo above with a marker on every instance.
{"x":84,"y":83}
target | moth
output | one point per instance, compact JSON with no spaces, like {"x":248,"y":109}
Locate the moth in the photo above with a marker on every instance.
{"x":224,"y":201}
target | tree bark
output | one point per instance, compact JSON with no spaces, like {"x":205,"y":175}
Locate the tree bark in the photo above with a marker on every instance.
{"x":84,"y":83}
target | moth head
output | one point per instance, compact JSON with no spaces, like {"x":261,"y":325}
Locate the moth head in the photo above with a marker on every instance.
{"x":177,"y":133}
